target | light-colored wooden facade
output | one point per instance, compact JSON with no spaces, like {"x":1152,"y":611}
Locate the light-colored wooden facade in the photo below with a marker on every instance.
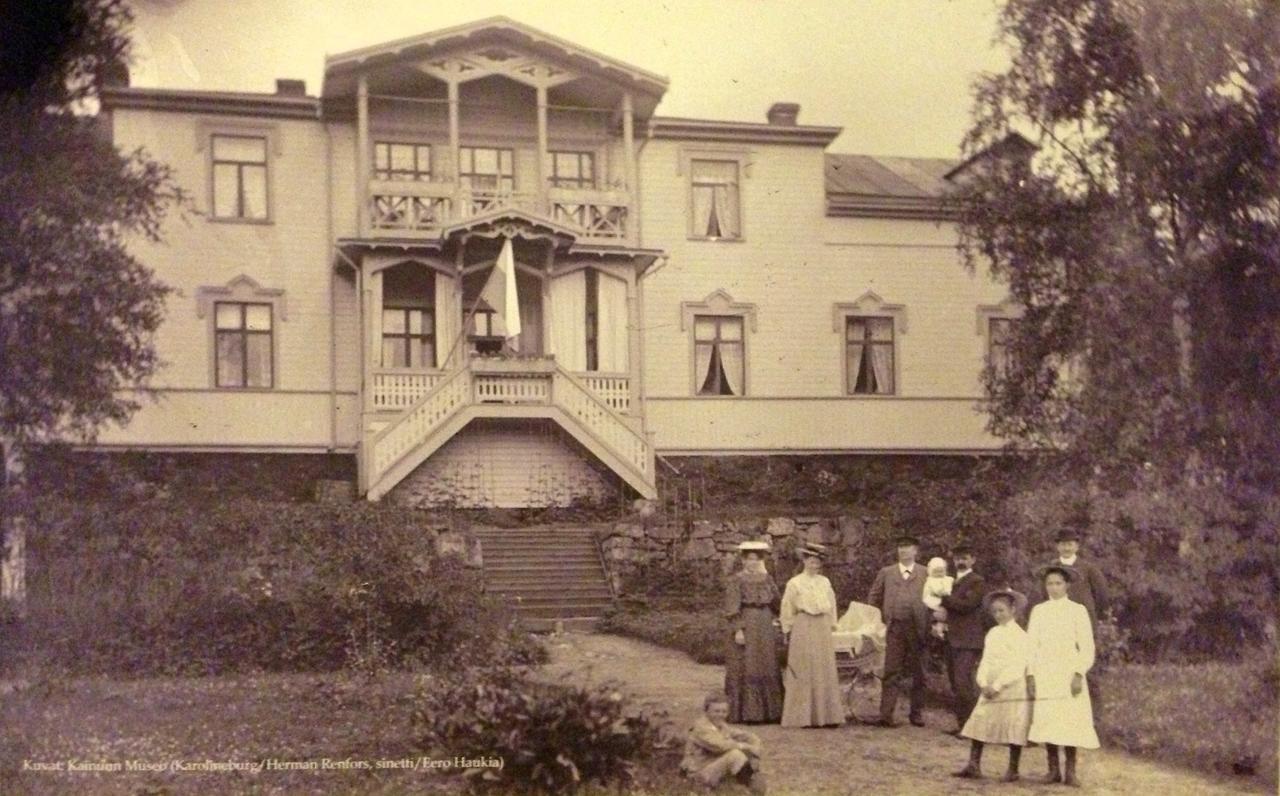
{"x":386,"y":202}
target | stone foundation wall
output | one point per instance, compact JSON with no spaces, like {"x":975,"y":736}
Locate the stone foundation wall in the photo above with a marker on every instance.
{"x":632,"y":544}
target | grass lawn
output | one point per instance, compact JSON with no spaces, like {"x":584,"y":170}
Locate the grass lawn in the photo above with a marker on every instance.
{"x":240,"y":719}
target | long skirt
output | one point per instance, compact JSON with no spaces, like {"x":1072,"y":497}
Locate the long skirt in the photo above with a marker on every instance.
{"x":752,"y":678}
{"x":1003,"y":720}
{"x":1059,"y":718}
{"x":813,"y":689}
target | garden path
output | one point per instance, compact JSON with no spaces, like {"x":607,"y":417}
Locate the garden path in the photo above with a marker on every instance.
{"x":854,"y":759}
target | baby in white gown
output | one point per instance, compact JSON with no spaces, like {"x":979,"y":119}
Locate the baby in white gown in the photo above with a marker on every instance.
{"x":937,"y":586}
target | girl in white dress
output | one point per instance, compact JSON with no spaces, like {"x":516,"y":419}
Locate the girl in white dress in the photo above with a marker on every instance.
{"x":1062,"y":653}
{"x":1003,"y":712}
{"x":808,"y":617}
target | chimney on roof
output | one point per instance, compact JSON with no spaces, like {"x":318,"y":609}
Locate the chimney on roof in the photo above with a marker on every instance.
{"x":287,"y":87}
{"x":783,"y":113}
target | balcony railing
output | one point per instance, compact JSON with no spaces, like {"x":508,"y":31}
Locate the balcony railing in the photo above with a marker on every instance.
{"x":397,"y":389}
{"x":521,"y":382}
{"x":423,"y":208}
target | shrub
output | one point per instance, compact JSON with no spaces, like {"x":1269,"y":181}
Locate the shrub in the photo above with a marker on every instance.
{"x":193,"y":587}
{"x":699,"y":634}
{"x":551,"y":738}
{"x":1194,"y":567}
{"x":684,"y":584}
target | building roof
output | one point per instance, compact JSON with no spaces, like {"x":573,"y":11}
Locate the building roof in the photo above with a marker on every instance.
{"x":754,"y":132}
{"x":866,"y":185}
{"x":498,"y":28}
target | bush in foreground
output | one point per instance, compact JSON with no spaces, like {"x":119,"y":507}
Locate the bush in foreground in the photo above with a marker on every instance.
{"x":551,"y":738}
{"x":699,"y":634}
{"x":166,"y":586}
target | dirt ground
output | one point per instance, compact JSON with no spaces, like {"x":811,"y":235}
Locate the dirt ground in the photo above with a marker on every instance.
{"x":857,"y":759}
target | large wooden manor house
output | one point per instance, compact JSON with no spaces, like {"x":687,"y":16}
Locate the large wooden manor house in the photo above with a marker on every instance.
{"x":360,"y":261}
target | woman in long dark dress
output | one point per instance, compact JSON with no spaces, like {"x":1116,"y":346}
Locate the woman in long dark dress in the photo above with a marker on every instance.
{"x":752,"y":677}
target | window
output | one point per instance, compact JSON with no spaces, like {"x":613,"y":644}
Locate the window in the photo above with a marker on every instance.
{"x":573,"y":170}
{"x":714,"y":199}
{"x":719,"y":364}
{"x":869,"y":355}
{"x":408,"y":338}
{"x":998,"y":352}
{"x":486,"y":169}
{"x":242,"y":337}
{"x":396,"y":161}
{"x":240,"y":177}
{"x":593,"y":319}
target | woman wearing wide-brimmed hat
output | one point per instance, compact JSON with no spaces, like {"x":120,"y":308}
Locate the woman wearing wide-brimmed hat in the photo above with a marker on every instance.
{"x":752,"y":678}
{"x":809,"y":616}
{"x":1062,"y":653}
{"x":1003,"y":712}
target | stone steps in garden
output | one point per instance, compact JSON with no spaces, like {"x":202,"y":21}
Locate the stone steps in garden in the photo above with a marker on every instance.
{"x":546,"y":573}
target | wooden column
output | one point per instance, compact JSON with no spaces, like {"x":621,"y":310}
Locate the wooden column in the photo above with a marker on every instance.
{"x":373,"y":332}
{"x":634,"y":351}
{"x":541,"y":196}
{"x":629,"y":156}
{"x":362,"y":155}
{"x":455,"y":144}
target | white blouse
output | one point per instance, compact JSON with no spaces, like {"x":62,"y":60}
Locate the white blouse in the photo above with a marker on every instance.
{"x":807,"y":594}
{"x":1006,"y":654}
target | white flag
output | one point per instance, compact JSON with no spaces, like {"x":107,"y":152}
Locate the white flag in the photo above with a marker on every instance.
{"x":500,"y":291}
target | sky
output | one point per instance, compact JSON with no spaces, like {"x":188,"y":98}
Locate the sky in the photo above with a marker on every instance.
{"x":895,"y":74}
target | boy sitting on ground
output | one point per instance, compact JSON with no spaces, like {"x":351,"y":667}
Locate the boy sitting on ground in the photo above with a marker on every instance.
{"x":714,"y":750}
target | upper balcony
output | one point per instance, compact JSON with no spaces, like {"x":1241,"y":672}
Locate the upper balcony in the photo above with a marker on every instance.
{"x":487,"y":116}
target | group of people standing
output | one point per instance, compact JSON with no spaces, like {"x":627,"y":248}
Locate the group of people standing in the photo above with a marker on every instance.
{"x":1010,"y":686}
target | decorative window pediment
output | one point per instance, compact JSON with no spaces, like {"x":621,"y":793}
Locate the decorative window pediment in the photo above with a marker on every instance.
{"x":244,"y":289}
{"x":719,"y":302}
{"x":869,"y":304}
{"x":1009,"y":308}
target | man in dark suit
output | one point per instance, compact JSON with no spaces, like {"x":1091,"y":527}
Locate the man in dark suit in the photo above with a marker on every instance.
{"x":898,"y":592}
{"x":966,"y":631}
{"x":1089,"y":585}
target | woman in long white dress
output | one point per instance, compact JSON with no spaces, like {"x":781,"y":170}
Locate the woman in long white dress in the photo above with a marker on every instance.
{"x":1062,"y":654}
{"x":808,"y":618}
{"x":1003,"y":712}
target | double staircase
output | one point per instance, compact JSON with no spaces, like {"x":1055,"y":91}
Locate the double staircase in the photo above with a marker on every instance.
{"x":546,"y":573}
{"x":529,"y":388}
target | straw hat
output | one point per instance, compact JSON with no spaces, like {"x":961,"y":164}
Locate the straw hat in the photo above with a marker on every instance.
{"x":1019,"y":599}
{"x":812,"y":549}
{"x":754,"y":547}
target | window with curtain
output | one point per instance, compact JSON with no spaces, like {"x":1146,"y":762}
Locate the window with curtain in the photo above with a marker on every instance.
{"x":239,"y":177}
{"x":486,"y":168}
{"x":400,"y":161}
{"x":719,"y":364}
{"x":714,"y":198}
{"x":243,"y":345}
{"x":408,"y":337}
{"x":869,"y":355}
{"x":998,"y":351}
{"x":573,"y":170}
{"x":593,"y":319}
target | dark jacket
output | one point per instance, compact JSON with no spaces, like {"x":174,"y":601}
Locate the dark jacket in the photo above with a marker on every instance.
{"x":966,"y":621}
{"x":899,"y":598}
{"x":1088,"y":587}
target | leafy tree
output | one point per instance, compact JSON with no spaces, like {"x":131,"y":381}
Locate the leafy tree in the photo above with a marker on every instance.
{"x":1142,"y":234}
{"x":77,"y":309}
{"x":1124,"y":179}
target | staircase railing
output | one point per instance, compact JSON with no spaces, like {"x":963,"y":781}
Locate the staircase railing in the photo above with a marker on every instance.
{"x":603,"y":422}
{"x":408,"y":430}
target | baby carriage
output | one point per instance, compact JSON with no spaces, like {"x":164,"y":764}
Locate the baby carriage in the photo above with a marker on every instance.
{"x":859,"y":643}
